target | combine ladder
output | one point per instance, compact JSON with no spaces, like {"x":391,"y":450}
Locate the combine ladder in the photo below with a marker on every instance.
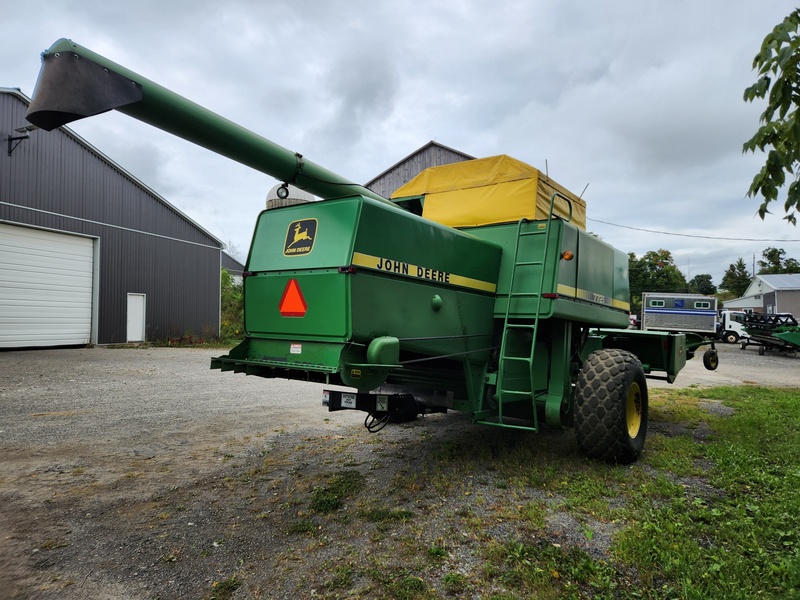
{"x":507,"y":389}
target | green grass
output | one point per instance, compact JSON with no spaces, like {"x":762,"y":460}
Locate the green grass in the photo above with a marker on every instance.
{"x":749,"y":538}
{"x":711,"y":510}
{"x":341,"y":577}
{"x":331,"y":497}
{"x":455,"y":583}
{"x":224,"y":590}
{"x":717,"y":517}
{"x":385,"y":515}
{"x":401,"y":584}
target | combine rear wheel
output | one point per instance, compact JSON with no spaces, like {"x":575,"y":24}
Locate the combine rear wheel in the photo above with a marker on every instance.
{"x":611,"y":406}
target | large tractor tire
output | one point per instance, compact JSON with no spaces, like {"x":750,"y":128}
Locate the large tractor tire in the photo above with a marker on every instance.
{"x":611,"y":406}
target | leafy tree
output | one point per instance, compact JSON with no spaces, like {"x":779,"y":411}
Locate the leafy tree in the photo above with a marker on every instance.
{"x":778,"y":65}
{"x":636,"y":278}
{"x":655,"y":271}
{"x":775,"y":263}
{"x":702,"y":284}
{"x":232,"y":307}
{"x":736,"y":279}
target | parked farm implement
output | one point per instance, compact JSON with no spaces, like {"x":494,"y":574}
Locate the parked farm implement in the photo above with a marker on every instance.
{"x":476,"y":288}
{"x":779,"y":332}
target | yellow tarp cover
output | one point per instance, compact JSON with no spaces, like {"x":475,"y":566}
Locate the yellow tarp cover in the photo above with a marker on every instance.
{"x":484,"y":191}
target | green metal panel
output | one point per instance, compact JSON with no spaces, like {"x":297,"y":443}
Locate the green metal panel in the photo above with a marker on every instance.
{"x":568,"y":269}
{"x":410,"y":247}
{"x":334,"y":222}
{"x":658,"y":351}
{"x":326,"y":296}
{"x":622,"y":287}
{"x":592,"y":286}
{"x":602,"y":275}
{"x":430,"y":320}
{"x":368,"y":271}
{"x":528,"y":277}
{"x":325,"y":231}
{"x":413,"y":282}
{"x":298,"y":354}
{"x":789,"y":337}
{"x":589,"y":313}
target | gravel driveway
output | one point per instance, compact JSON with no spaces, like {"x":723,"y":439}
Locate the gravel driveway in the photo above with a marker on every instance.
{"x":121,"y":464}
{"x":738,"y":367}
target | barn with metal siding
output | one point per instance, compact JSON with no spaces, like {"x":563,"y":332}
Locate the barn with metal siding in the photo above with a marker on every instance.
{"x":233,"y":266}
{"x":431,"y":154}
{"x":68,"y":212}
{"x":776,"y":293}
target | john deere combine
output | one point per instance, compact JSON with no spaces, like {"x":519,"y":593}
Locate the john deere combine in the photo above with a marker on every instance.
{"x":476,"y":288}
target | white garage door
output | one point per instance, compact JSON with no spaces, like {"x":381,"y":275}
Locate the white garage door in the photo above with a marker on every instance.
{"x":45,"y":288}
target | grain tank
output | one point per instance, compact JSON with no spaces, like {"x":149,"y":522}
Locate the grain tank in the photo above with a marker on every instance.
{"x":475,"y":289}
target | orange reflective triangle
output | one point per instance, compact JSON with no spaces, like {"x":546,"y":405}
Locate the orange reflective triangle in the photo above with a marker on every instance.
{"x":292,"y":303}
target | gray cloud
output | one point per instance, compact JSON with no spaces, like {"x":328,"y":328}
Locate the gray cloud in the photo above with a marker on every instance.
{"x":641,"y":100}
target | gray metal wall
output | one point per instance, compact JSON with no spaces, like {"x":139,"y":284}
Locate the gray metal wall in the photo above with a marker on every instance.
{"x":233,"y":266}
{"x":56,"y":181}
{"x":431,"y":154}
{"x":785,"y":300}
{"x":789,"y":302}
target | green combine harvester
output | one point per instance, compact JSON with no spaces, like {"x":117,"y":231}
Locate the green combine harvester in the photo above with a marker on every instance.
{"x":476,"y":288}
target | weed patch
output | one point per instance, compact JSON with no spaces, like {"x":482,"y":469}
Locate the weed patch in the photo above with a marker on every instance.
{"x":223,"y":590}
{"x":386,"y":515}
{"x":330,"y":498}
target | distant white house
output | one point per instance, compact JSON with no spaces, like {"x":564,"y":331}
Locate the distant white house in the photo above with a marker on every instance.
{"x":745,"y":303}
{"x":770,"y":294}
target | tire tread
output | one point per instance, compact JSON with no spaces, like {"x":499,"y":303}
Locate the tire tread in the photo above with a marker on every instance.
{"x":601,"y":396}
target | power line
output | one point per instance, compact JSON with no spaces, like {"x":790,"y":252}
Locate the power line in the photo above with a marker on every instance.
{"x":705,"y":237}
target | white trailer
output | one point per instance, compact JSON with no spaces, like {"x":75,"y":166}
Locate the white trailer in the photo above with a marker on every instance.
{"x":679,"y":312}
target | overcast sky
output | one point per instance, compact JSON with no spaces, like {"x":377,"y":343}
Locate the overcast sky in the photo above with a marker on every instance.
{"x":639,"y":100}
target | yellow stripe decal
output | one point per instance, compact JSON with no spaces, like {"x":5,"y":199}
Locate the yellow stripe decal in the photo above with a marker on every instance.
{"x":388,"y":265}
{"x":565,"y":290}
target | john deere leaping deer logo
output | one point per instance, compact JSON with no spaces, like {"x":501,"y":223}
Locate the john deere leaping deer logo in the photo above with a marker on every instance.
{"x":300,"y":237}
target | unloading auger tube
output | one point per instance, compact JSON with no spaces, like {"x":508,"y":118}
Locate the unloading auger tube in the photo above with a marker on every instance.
{"x":75,"y":83}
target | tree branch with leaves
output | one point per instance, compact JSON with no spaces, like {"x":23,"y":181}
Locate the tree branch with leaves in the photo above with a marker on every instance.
{"x":779,"y":133}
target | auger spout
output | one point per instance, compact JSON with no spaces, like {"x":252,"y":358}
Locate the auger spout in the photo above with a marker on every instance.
{"x":75,"y":83}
